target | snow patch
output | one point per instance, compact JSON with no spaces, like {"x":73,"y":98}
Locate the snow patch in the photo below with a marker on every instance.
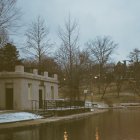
{"x":19,"y":116}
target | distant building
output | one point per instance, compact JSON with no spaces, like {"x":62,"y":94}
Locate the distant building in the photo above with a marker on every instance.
{"x":19,"y":90}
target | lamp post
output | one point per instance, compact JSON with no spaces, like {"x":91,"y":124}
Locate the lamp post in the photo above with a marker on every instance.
{"x":85,"y":93}
{"x":100,"y":74}
{"x":98,"y":81}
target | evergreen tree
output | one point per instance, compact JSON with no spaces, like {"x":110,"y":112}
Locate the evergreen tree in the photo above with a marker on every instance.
{"x":9,"y":57}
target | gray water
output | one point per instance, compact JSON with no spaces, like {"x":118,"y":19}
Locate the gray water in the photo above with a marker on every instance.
{"x":113,"y":125}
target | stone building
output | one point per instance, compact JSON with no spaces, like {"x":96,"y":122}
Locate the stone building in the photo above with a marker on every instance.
{"x":19,"y":89}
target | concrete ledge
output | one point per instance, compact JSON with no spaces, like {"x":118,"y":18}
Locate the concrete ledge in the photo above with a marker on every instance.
{"x":39,"y":122}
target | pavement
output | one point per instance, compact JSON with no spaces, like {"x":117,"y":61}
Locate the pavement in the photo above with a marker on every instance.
{"x":38,"y":122}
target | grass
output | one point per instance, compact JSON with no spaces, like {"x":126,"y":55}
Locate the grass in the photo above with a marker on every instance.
{"x":111,"y":98}
{"x":126,"y":95}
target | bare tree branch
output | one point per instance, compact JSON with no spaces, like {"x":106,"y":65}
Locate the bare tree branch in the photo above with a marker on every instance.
{"x":38,"y":42}
{"x":66,"y":55}
{"x":101,"y":48}
{"x":135,"y":55}
{"x":9,"y":14}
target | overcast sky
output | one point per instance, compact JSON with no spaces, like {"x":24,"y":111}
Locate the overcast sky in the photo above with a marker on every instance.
{"x":119,"y":19}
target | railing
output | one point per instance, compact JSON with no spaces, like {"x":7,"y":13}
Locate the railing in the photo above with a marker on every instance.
{"x":58,"y":107}
{"x":57,"y":104}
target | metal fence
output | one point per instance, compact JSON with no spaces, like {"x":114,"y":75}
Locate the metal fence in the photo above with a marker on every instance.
{"x":58,"y":104}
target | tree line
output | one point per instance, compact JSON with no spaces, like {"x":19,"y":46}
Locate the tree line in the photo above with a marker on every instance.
{"x":78,"y":68}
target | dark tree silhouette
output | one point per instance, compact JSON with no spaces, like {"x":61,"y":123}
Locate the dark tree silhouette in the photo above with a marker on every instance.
{"x":9,"y":57}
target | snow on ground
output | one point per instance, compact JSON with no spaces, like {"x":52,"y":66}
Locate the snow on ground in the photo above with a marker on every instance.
{"x":96,"y":104}
{"x":19,"y":116}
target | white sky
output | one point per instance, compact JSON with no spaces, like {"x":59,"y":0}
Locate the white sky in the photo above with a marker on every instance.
{"x":119,"y":19}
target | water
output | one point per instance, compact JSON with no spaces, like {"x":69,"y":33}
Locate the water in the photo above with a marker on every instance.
{"x":113,"y":125}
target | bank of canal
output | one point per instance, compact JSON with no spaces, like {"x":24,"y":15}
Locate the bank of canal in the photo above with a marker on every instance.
{"x":44,"y":121}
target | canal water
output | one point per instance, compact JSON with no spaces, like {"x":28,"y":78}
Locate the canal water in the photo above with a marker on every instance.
{"x":122,"y":124}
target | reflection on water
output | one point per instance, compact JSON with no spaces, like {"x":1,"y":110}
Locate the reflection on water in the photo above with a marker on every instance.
{"x":65,"y":135}
{"x":97,"y":134}
{"x":112,"y":125}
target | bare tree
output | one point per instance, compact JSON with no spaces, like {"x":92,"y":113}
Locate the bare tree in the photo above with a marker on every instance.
{"x":37,"y":39}
{"x":135,"y":78}
{"x":101,"y":49}
{"x":4,"y":37}
{"x":135,"y":55}
{"x":67,"y":53}
{"x":9,"y":17}
{"x":9,"y":13}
